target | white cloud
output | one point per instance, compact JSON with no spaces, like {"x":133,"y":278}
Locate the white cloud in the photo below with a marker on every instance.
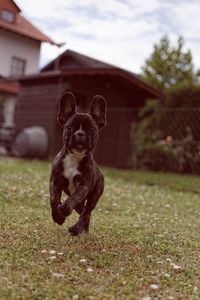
{"x":188,"y":18}
{"x":120,"y":32}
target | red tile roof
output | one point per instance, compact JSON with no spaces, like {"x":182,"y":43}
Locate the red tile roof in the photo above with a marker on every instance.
{"x":23,"y":27}
{"x":16,"y":6}
{"x":9,"y":5}
{"x":9,"y":87}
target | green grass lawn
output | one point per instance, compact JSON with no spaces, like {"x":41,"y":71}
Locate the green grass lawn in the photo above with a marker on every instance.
{"x":144,"y":241}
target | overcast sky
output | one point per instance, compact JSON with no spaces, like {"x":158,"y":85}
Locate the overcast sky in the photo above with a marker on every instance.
{"x":120,"y":32}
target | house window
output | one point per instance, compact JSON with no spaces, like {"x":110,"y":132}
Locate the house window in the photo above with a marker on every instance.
{"x":7,"y":16}
{"x":17,"y":67}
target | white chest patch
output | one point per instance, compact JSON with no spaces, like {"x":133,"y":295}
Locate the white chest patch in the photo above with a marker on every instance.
{"x":70,"y":164}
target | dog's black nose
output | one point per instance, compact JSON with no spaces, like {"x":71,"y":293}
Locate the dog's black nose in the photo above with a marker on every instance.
{"x":80,"y":133}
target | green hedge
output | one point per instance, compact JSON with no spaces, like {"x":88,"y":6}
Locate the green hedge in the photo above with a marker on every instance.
{"x":167,"y":136}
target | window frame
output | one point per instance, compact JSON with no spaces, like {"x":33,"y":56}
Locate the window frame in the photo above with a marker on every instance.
{"x":9,"y":12}
{"x":17,"y":70}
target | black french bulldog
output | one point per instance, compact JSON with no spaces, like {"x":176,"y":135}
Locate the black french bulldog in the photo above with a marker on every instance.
{"x":74,"y":169}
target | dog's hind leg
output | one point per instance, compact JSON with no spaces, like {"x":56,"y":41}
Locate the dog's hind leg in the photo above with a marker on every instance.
{"x":83,"y":222}
{"x":80,"y":207}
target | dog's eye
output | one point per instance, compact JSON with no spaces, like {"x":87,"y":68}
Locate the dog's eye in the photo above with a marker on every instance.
{"x":69,"y":128}
{"x":93,"y":129}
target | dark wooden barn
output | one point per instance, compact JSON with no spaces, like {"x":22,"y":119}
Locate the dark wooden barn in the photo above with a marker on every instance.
{"x":86,"y":77}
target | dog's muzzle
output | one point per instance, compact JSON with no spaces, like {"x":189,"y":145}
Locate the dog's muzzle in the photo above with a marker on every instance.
{"x":79,"y":141}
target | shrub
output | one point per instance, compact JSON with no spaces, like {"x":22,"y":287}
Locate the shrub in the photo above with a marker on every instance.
{"x":177,"y":120}
{"x":157,"y":158}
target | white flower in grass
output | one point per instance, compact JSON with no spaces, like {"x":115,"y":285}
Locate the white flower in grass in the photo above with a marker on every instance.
{"x":60,"y":253}
{"x":176,"y":267}
{"x":75,"y":297}
{"x":58,"y":275}
{"x":89,"y":270}
{"x":136,"y":225}
{"x":146,"y":298}
{"x":52,"y":257}
{"x":159,"y":235}
{"x":154,"y":286}
{"x":168,"y":259}
{"x":44,"y":251}
{"x":52,"y":252}
{"x":83,"y":260}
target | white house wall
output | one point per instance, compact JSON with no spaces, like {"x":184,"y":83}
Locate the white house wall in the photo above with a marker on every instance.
{"x":12,"y":44}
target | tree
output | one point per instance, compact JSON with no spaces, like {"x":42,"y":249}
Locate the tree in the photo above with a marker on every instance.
{"x":168,"y":66}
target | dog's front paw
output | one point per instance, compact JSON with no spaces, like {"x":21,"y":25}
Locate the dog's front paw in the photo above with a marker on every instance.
{"x":57,"y":217}
{"x":65,"y":209}
{"x":75,"y":229}
{"x":81,"y":225}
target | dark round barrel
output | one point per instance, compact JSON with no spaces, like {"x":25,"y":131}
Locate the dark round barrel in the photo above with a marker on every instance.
{"x":31,"y":142}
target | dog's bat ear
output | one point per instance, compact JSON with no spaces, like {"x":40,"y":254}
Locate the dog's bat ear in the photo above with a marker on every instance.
{"x":66,"y":108}
{"x":97,"y":110}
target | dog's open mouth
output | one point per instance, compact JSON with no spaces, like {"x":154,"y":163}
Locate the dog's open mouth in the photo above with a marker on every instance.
{"x":80,"y":148}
